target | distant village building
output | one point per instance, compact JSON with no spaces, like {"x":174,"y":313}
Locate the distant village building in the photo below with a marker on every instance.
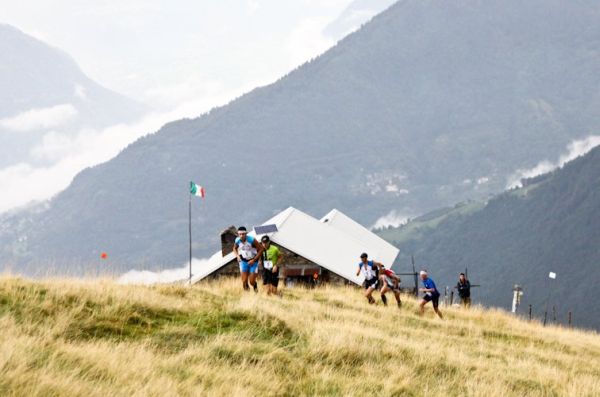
{"x":326,"y":250}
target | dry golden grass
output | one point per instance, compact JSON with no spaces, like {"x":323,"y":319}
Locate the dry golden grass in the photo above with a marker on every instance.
{"x":96,"y":338}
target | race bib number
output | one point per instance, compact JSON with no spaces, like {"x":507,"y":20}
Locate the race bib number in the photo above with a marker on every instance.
{"x":268,"y":265}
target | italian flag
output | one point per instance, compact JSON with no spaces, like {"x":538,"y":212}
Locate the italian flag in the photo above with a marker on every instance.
{"x":197,"y":190}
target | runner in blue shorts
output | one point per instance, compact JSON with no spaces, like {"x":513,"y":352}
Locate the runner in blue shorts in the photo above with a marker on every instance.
{"x":248,"y":251}
{"x":431,"y":294}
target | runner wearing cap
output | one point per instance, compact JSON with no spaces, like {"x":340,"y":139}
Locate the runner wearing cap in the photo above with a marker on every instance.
{"x":369,"y":269}
{"x":271,"y":259}
{"x":248,"y":252}
{"x":431,"y":294}
{"x":390,"y":282}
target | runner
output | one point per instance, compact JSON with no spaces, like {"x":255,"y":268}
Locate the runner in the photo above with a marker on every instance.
{"x":431,"y":294}
{"x":370,"y":269}
{"x":464,"y":290}
{"x":271,"y":259}
{"x":390,"y":282}
{"x":248,"y":251}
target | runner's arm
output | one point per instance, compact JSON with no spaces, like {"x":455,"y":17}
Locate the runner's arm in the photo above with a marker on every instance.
{"x":259,"y":251}
{"x":235,"y":249}
{"x":279,"y":259}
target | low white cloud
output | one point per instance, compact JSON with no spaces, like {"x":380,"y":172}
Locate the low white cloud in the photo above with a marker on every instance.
{"x":40,"y":118}
{"x":167,"y":276}
{"x":574,"y":149}
{"x":393,"y":219}
{"x":307,"y":40}
{"x":253,"y":6}
{"x":80,"y":92}
{"x":23,"y":183}
{"x":202,"y":92}
{"x":53,"y":147}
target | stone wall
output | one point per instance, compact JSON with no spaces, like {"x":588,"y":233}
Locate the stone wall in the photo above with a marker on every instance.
{"x":228,"y":237}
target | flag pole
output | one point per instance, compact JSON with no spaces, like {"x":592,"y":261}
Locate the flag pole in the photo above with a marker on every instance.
{"x":190,"y":234}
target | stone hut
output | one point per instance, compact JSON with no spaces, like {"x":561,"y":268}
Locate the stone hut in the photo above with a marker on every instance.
{"x":322,"y":251}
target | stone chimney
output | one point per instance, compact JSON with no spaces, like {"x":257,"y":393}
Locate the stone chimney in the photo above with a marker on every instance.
{"x":227,"y":239}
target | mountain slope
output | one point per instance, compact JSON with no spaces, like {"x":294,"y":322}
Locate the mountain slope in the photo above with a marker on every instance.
{"x":96,"y":338}
{"x":403,"y":114}
{"x":42,"y":82}
{"x":518,"y":237}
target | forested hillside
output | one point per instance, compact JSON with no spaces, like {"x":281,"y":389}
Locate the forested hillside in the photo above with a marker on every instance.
{"x":518,"y":237}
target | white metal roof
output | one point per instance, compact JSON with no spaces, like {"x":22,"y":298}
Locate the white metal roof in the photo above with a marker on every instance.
{"x":380,"y":250}
{"x":336,"y":246}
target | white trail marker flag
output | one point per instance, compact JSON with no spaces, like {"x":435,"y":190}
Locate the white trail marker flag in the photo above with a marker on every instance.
{"x":552,"y":275}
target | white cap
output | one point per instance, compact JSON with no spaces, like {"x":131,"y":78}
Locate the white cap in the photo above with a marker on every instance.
{"x":422,"y":273}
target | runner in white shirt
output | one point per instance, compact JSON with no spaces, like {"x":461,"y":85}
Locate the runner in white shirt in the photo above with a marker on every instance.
{"x":369,"y":269}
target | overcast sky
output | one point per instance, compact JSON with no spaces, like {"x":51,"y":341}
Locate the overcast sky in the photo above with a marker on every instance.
{"x":167,"y":52}
{"x":181,"y":57}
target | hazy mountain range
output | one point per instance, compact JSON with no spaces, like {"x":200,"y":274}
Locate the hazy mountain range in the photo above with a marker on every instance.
{"x":431,"y":103}
{"x":552,"y":224}
{"x":43,"y":93}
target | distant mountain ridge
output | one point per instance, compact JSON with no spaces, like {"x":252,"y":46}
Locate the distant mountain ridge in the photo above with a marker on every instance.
{"x":519,"y":237}
{"x":42,"y":82}
{"x":431,"y":103}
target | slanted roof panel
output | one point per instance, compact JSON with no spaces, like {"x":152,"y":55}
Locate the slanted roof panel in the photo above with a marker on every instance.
{"x":328,"y":247}
{"x":380,"y":250}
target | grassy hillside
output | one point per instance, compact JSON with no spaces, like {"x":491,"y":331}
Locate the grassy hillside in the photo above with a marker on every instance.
{"x":96,"y":338}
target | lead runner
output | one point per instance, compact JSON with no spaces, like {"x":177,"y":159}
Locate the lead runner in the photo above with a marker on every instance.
{"x":248,"y":252}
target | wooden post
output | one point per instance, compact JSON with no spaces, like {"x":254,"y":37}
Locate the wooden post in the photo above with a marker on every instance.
{"x":570,"y":318}
{"x":451,"y":297}
{"x":190,"y":234}
{"x":529,"y":312}
{"x":545,"y":316}
{"x":446,"y":296}
{"x":554,"y":313}
{"x":412,"y":258}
